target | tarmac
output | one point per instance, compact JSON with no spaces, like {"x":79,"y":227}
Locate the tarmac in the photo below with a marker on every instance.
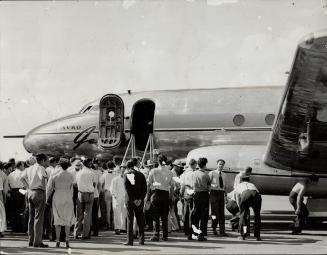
{"x":275,"y":233}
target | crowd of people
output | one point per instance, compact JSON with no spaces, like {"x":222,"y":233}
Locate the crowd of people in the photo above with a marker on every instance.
{"x":44,"y":196}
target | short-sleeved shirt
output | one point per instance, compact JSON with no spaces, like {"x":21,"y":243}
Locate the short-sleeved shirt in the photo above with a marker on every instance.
{"x":36,"y":177}
{"x":14,"y":179}
{"x":85,"y":179}
{"x":201,"y":180}
{"x":106,"y":178}
{"x":187,"y":182}
{"x":161,"y":178}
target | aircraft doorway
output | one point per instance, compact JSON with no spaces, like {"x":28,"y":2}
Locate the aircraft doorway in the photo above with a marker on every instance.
{"x":142,"y":122}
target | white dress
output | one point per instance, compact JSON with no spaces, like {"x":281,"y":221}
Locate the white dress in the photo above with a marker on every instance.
{"x":62,"y":202}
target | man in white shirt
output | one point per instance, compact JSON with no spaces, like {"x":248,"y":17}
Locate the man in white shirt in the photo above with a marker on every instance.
{"x":118,"y":192}
{"x":35,"y":178}
{"x":105,"y":181}
{"x":246,"y":196}
{"x":86,"y":183}
{"x":217,"y":198}
{"x":17,"y":198}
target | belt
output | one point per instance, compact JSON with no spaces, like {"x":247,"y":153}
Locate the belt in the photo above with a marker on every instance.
{"x":86,"y":192}
{"x":38,"y":190}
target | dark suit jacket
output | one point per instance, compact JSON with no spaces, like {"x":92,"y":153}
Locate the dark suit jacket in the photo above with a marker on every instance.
{"x":138,"y":190}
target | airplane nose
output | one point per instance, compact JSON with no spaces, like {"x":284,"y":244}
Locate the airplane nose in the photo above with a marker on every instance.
{"x":36,"y":140}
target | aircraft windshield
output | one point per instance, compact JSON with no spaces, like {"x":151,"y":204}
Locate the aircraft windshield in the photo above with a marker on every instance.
{"x":86,"y":109}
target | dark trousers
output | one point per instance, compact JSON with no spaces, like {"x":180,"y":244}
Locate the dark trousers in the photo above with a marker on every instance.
{"x":36,"y":200}
{"x":95,"y":218}
{"x":132,"y":210}
{"x":103,"y":210}
{"x":149,"y":217}
{"x":47,"y":224}
{"x":217,"y":201}
{"x":26,"y":213}
{"x":17,"y":210}
{"x":75,"y":194}
{"x":250,"y":199}
{"x":187,"y":209}
{"x":200,"y":212}
{"x":300,"y":218}
{"x":160,"y":205}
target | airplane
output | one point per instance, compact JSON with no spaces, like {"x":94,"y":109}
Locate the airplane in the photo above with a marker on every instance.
{"x":237,"y":124}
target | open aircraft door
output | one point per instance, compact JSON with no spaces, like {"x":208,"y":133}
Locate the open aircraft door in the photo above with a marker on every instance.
{"x":111,"y":121}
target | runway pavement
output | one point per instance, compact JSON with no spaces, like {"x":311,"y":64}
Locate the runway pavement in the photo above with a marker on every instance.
{"x":276,"y":239}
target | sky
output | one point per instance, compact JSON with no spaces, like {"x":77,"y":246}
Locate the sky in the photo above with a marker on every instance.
{"x":56,"y":56}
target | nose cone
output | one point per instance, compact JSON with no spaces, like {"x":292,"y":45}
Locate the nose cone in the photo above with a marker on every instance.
{"x":36,"y":140}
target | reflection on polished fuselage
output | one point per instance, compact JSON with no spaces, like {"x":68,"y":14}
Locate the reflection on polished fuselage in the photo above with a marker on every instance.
{"x":183,"y":120}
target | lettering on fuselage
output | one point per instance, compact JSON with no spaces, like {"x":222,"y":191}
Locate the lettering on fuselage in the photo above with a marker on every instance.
{"x":83,"y":136}
{"x":71,"y":127}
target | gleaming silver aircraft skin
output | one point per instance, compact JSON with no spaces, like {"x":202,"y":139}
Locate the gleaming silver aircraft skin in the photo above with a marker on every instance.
{"x":236,"y":124}
{"x":183,"y":120}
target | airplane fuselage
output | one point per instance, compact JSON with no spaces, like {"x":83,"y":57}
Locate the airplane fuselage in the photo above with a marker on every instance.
{"x":183,"y":120}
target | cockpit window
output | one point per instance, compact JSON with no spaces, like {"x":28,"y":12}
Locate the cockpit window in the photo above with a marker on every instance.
{"x":86,"y":109}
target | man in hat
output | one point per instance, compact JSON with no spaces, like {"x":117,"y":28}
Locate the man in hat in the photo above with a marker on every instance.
{"x":34,"y":178}
{"x":135,"y":186}
{"x":246,"y":196}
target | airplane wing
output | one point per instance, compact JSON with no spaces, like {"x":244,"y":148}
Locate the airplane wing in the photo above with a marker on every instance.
{"x":299,"y":135}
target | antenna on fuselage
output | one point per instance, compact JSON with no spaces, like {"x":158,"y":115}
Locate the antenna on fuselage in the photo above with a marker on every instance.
{"x":129,"y":91}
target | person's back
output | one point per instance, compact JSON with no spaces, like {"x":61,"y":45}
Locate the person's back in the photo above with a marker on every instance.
{"x":85,"y":179}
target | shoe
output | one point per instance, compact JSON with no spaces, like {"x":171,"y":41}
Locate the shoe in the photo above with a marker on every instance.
{"x":259,"y":239}
{"x":215,"y":232}
{"x":224,"y":235}
{"x":30,"y":244}
{"x":67,"y":244}
{"x":189,"y":237}
{"x":117,"y":232}
{"x":57,"y":244}
{"x":164,"y":239}
{"x":41,"y":245}
{"x":85,"y":237}
{"x":202,"y":238}
{"x":154,"y":239}
{"x":128,"y":244}
{"x":141,"y":243}
{"x":1,"y":235}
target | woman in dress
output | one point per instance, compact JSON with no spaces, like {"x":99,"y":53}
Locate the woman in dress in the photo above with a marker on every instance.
{"x":61,"y":187}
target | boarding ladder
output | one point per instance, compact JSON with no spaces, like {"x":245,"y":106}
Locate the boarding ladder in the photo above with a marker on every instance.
{"x":131,"y":149}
